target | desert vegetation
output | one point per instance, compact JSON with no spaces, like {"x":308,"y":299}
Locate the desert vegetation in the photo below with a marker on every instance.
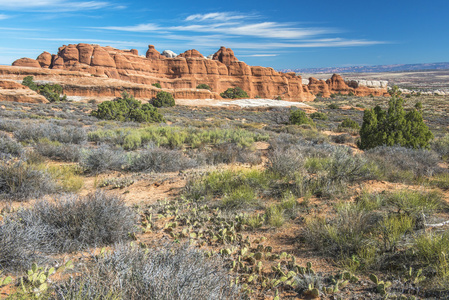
{"x":122,"y":200}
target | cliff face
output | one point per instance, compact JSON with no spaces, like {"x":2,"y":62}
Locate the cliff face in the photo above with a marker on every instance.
{"x":181,"y":74}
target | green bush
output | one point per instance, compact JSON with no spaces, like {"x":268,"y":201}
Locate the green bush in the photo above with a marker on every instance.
{"x":333,"y":106}
{"x":234,"y":93}
{"x":52,"y":92}
{"x":28,"y":81}
{"x":349,"y":123}
{"x":127,"y":109}
{"x":157,"y":84}
{"x":319,"y":116}
{"x":203,"y":86}
{"x":163,"y":99}
{"x":394,"y":127}
{"x":298,"y":117}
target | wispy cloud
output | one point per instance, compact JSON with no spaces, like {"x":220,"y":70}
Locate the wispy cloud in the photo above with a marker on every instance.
{"x":244,"y":31}
{"x":3,"y":17}
{"x":259,"y":55}
{"x":136,"y":28}
{"x":112,"y":43}
{"x":260,"y":30}
{"x":53,"y":5}
{"x":217,"y":16}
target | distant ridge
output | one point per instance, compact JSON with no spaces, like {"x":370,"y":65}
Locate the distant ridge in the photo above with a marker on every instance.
{"x":372,"y":69}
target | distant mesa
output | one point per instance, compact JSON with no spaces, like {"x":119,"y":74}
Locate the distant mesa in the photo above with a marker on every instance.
{"x":180,"y":74}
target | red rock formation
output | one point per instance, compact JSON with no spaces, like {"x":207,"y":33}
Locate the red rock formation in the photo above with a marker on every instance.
{"x":26,"y":62}
{"x":44,"y":59}
{"x":11,"y":85}
{"x":225,"y":55}
{"x":185,"y":71}
{"x":337,"y":84}
{"x":191,"y":54}
{"x":153,"y":53}
{"x":318,"y":87}
{"x":15,"y":92}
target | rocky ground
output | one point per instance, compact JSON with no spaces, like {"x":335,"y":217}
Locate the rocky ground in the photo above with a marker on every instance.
{"x":243,"y":186}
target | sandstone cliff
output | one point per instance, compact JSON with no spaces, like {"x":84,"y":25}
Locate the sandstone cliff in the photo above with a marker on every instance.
{"x":181,"y":74}
{"x":95,"y":71}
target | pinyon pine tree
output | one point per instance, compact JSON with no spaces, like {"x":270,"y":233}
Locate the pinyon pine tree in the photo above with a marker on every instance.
{"x":394,"y":126}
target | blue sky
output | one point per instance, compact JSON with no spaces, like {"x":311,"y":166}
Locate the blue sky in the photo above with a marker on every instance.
{"x":279,"y":34}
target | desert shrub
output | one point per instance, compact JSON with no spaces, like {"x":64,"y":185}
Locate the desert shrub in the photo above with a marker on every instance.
{"x":219,"y":183}
{"x":333,"y":105}
{"x":67,"y":177}
{"x":32,"y":132}
{"x":170,"y":272}
{"x":9,"y":147}
{"x":298,"y":117}
{"x":318,"y":116}
{"x":399,"y":163}
{"x":240,"y":197}
{"x":71,"y":223}
{"x":175,"y":136}
{"x":9,"y":125}
{"x":126,"y":109}
{"x":441,"y":146}
{"x":102,"y":159}
{"x":164,"y":99}
{"x":414,"y":203}
{"x":275,"y":215}
{"x":227,"y":153}
{"x":344,"y":235}
{"x":432,"y":249}
{"x":332,"y":173}
{"x":18,"y":245}
{"x":394,"y":127}
{"x":155,"y":159}
{"x":157,"y":84}
{"x":342,"y":138}
{"x":57,"y":150}
{"x":203,"y":86}
{"x":348,"y":123}
{"x":234,"y":93}
{"x":20,"y":180}
{"x":285,"y":162}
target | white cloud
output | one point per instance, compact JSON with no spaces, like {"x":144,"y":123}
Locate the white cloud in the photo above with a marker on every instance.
{"x":52,"y":5}
{"x":217,"y":16}
{"x":227,"y":28}
{"x":111,"y":43}
{"x":137,"y":28}
{"x":261,"y":55}
{"x":4,"y":17}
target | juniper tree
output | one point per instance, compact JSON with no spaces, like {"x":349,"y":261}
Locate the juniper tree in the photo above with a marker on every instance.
{"x":394,"y":126}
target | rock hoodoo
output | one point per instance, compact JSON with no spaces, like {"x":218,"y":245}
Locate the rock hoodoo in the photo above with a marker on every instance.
{"x":181,"y":73}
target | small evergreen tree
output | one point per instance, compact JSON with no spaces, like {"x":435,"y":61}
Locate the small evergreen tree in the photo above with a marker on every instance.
{"x":394,"y":126}
{"x":203,"y":86}
{"x":157,"y":84}
{"x":234,"y":93}
{"x":126,"y":109}
{"x":164,"y":99}
{"x":28,"y":81}
{"x":349,"y":123}
{"x":298,"y":117}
